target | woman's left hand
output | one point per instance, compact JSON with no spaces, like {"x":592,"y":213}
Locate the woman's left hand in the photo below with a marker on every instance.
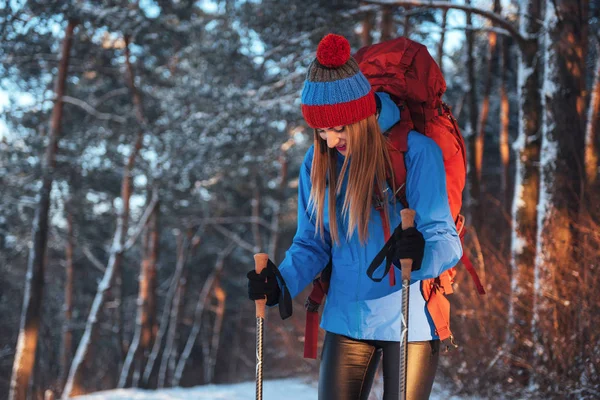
{"x":409,"y":244}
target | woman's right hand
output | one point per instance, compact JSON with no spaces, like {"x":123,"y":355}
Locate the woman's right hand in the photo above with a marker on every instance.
{"x":263,"y":285}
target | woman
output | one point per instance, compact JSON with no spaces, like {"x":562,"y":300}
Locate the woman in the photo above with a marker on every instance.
{"x":349,"y":162}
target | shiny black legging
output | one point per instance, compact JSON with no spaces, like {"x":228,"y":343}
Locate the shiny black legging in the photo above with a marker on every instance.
{"x":348,"y":368}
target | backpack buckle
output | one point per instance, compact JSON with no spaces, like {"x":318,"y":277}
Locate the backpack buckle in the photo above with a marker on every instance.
{"x":377,"y":202}
{"x":450,"y":344}
{"x":311,"y":306}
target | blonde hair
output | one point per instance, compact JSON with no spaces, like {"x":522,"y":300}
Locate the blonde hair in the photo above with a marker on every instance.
{"x":367,"y":148}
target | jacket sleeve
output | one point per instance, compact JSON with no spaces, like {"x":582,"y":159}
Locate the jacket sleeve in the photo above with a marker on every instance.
{"x":309,"y":253}
{"x":426,"y":194}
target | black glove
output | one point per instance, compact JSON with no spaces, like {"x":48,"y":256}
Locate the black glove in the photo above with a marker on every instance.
{"x":263,"y":285}
{"x":409,"y":244}
{"x":266,"y":284}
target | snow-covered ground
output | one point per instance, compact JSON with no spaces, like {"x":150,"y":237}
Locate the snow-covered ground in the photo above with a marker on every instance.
{"x":288,"y":389}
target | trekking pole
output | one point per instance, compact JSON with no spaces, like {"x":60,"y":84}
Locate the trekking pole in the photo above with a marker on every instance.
{"x":408,"y":221}
{"x":260,"y":263}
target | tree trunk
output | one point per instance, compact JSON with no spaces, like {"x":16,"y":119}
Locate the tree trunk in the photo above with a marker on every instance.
{"x":485,"y":104}
{"x":220,"y":295}
{"x":526,"y":193}
{"x":459,"y":105}
{"x":504,"y":123}
{"x":387,"y":23}
{"x":561,"y":180}
{"x":34,"y":284}
{"x":440,"y":52}
{"x":366,"y":37}
{"x":205,"y":348}
{"x":588,"y":214}
{"x":407,"y":27}
{"x":256,"y":199}
{"x":149,"y":329}
{"x":142,"y":337}
{"x":170,"y":352}
{"x":278,"y":208}
{"x":473,"y":171}
{"x":115,"y":311}
{"x":74,"y":385}
{"x":591,"y":132}
{"x":67,"y":344}
{"x":235,"y":347}
{"x":135,"y":345}
{"x":200,"y":305}
{"x":164,"y":319}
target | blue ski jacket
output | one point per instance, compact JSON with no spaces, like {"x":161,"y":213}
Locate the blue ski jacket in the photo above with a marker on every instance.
{"x":356,"y":306}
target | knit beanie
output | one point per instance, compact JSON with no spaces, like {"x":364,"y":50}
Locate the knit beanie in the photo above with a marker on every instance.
{"x":335,"y":91}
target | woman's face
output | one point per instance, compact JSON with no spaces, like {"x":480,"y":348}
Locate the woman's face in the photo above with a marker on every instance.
{"x":335,"y":137}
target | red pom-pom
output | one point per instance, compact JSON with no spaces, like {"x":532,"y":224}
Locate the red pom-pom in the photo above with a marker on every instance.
{"x":333,"y":51}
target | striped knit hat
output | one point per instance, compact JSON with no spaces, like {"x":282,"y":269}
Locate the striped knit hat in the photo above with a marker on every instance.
{"x":335,"y":92}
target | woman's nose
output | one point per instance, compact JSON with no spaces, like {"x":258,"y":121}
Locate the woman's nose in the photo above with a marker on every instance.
{"x":332,"y":140}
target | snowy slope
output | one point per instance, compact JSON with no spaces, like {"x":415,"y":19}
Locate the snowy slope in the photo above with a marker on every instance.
{"x":288,"y":389}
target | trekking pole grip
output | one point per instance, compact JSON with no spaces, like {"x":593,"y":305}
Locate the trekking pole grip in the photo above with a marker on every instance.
{"x":408,"y":221}
{"x":260,"y":263}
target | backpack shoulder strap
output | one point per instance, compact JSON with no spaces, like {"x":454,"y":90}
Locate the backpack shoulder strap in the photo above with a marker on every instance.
{"x":312,"y":304}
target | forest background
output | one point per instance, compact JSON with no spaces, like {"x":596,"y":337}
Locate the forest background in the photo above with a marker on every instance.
{"x":149,"y":148}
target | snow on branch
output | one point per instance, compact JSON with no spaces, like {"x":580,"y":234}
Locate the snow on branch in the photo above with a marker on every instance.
{"x":92,"y":258}
{"x":492,"y":16}
{"x":142,"y":223}
{"x":499,"y":31}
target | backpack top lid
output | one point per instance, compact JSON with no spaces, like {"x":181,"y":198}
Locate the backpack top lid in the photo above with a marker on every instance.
{"x":416,"y":77}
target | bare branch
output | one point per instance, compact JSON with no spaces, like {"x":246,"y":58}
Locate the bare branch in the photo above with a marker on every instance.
{"x":232,"y":220}
{"x":442,"y":5}
{"x":285,"y":45}
{"x":557,"y":12}
{"x":111,"y":94}
{"x":91,"y":110}
{"x":499,"y":31}
{"x":5,"y":352}
{"x":142,"y":223}
{"x":236,"y":238}
{"x":92,"y":258}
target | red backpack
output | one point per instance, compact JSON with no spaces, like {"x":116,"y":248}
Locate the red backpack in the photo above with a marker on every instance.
{"x":406,"y":71}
